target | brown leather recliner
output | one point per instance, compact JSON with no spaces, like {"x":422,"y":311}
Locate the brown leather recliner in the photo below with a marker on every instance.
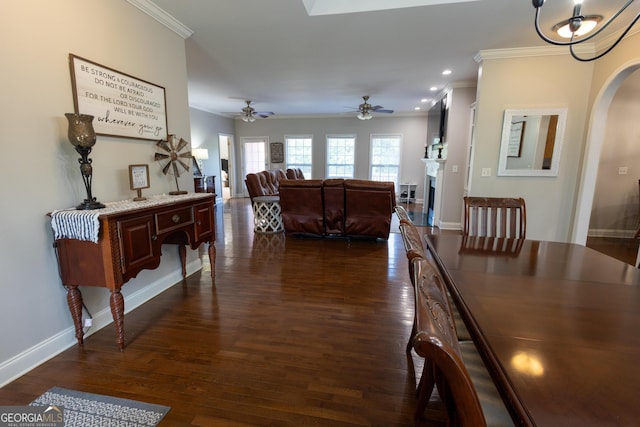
{"x":295,"y":173}
{"x":333,"y":192}
{"x":264,"y":183}
{"x":368,"y":208}
{"x":302,"y":207}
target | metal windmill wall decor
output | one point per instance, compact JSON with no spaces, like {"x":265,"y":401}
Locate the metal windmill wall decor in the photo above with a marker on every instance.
{"x":171,"y":158}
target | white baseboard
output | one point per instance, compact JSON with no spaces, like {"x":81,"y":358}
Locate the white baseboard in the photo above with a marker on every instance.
{"x":29,"y":359}
{"x":449,"y":225}
{"x":613,"y":233}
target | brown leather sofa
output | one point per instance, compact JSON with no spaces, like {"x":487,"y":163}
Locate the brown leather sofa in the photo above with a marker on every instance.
{"x":337,"y":207}
{"x":264,"y":183}
{"x":368,"y":206}
{"x":333,"y":192}
{"x":302,"y":206}
{"x":295,"y":173}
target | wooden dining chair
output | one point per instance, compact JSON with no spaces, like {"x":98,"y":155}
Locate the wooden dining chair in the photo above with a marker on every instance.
{"x":496,"y":246}
{"x":401,"y":213}
{"x":495,"y":217}
{"x":414,"y":248}
{"x":449,"y":365}
{"x":638,"y":232}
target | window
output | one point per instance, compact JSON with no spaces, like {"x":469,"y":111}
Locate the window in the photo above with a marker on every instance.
{"x":298,"y":149}
{"x":385,"y":158}
{"x":341,"y":156}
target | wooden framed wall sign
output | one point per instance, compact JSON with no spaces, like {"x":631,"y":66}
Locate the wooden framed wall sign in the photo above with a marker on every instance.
{"x":515,"y":139}
{"x":122,"y":105}
{"x":277,"y":152}
{"x":139,"y":179}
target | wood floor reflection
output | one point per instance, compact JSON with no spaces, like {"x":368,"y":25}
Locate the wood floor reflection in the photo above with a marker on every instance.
{"x":294,"y":332}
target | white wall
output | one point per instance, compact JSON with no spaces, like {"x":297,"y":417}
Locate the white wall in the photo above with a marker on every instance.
{"x":205,"y":130}
{"x":457,"y":145}
{"x":609,"y":73}
{"x":533,"y":82}
{"x":40,"y":170}
{"x":412,"y":128}
{"x":615,"y":205}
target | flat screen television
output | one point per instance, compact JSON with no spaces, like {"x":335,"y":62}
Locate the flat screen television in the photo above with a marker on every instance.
{"x":444,"y":112}
{"x":437,"y":122}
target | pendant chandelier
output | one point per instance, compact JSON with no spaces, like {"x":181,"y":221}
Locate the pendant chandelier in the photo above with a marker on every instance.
{"x":578,"y":25}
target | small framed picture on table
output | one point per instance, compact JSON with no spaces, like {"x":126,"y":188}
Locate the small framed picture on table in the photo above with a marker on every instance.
{"x":139,"y":179}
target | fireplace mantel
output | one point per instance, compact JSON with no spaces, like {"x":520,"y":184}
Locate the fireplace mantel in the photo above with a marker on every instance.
{"x":433,"y":168}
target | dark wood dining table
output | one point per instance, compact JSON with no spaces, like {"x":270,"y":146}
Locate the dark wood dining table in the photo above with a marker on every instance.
{"x":557,"y":324}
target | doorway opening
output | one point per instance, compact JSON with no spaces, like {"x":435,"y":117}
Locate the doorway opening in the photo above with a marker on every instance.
{"x":227,"y":181}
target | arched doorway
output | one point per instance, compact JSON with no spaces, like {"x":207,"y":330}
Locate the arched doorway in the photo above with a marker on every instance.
{"x":593,"y":150}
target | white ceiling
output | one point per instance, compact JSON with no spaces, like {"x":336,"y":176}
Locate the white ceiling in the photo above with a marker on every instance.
{"x":291,"y":63}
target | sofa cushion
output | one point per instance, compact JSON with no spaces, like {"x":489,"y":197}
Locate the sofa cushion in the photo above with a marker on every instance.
{"x":302,"y":207}
{"x":333,"y":192}
{"x":368,"y":208}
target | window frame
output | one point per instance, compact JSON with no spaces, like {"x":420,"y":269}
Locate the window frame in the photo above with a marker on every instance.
{"x":375,"y":136}
{"x":341,"y":136}
{"x":307,"y":172}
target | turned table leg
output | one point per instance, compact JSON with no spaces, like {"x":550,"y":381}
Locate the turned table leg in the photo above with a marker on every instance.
{"x":74,"y":300}
{"x":212,"y":260}
{"x":182,"y":250}
{"x":116,"y":301}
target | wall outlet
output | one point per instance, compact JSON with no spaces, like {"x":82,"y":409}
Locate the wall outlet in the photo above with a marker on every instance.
{"x":454,"y":169}
{"x":486,"y":171}
{"x":622,"y":170}
{"x":87,"y":323}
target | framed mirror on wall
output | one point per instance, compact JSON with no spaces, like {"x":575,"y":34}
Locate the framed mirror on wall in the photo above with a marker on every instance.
{"x":532,"y":142}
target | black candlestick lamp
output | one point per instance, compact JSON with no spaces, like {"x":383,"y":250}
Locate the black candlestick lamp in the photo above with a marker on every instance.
{"x":83,"y":137}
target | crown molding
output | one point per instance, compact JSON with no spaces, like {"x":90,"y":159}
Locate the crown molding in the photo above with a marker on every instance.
{"x":523,"y":52}
{"x":462,"y":84}
{"x":422,"y":113}
{"x":548,"y":50}
{"x":162,"y":17}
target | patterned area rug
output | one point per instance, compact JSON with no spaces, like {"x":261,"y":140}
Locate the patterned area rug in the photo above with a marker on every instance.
{"x":87,"y":409}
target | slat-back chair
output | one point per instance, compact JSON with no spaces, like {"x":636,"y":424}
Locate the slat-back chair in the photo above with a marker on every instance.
{"x":638,"y":232}
{"x":402,"y":213}
{"x":495,"y":217}
{"x":414,"y":247}
{"x":469,"y":401}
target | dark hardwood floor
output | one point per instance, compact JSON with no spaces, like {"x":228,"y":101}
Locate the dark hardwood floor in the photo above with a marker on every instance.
{"x":626,"y":250}
{"x":294,"y":332}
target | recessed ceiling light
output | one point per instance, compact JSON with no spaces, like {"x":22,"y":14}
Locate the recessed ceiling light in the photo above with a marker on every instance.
{"x":416,"y":108}
{"x":446,"y":72}
{"x":433,"y":88}
{"x":424,"y":100}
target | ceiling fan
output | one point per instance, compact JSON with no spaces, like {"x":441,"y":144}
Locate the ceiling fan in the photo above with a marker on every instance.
{"x":365,"y":109}
{"x":249,"y":113}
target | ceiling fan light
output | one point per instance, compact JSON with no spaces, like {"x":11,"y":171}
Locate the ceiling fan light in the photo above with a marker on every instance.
{"x":365,"y":115}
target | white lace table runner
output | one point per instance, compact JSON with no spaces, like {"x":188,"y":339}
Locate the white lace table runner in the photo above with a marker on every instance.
{"x":85,"y":224}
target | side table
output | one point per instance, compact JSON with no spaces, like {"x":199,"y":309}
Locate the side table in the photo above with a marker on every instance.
{"x":267,"y":215}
